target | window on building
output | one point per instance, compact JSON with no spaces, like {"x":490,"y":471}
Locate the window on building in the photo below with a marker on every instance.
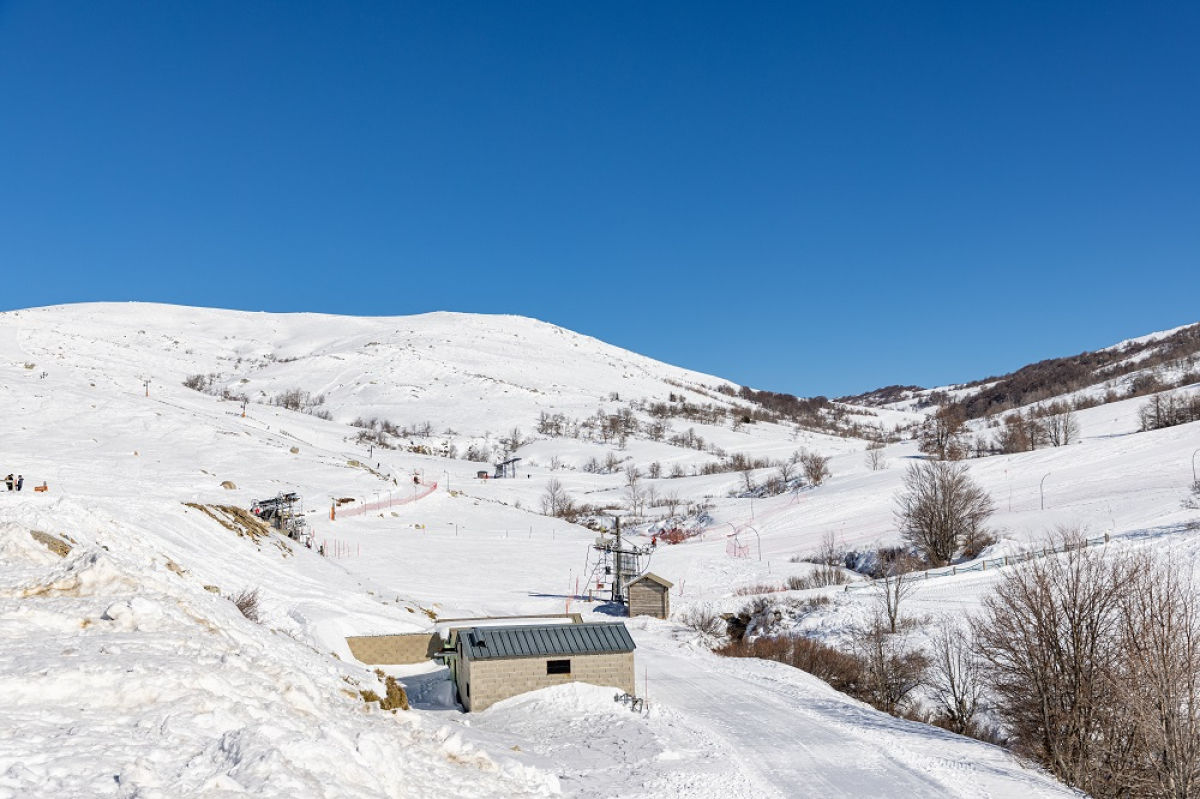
{"x":558,"y":667}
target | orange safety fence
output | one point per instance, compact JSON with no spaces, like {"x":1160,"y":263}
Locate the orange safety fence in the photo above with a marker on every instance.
{"x":423,"y":491}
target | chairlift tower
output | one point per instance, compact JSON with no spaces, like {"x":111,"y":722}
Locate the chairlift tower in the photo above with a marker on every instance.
{"x":507,"y":468}
{"x":617,"y":564}
{"x":284,"y":512}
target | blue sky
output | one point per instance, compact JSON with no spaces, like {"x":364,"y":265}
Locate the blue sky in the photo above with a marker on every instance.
{"x":819,"y":198}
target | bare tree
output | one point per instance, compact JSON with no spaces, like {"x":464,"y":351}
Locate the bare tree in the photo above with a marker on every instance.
{"x":671,"y":501}
{"x":816,"y":467}
{"x":633,"y":476}
{"x":651,"y":496}
{"x":892,"y":667}
{"x":786,"y":471}
{"x":634,"y":495}
{"x":828,"y":558}
{"x":1059,"y":424}
{"x":1160,"y":644}
{"x":874,"y":458}
{"x":1193,"y":502}
{"x":748,"y":476}
{"x":955,"y":678}
{"x":1021,"y":433}
{"x":1049,"y":638}
{"x":555,"y":500}
{"x":897,"y":584}
{"x":941,"y":510}
{"x":941,"y":435}
{"x":654,"y":470}
{"x":635,"y":499}
{"x":1095,"y":663}
{"x":1168,"y":409}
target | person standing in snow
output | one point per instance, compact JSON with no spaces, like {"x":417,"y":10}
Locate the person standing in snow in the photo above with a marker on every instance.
{"x":9,"y":481}
{"x":20,"y":481}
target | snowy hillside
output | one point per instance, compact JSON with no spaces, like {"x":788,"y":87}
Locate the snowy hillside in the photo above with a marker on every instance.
{"x":468,"y":372}
{"x":127,"y":672}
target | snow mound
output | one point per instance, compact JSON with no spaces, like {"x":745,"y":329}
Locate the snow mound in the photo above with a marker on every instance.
{"x":17,"y":545}
{"x":87,"y":574}
{"x":119,"y":679}
{"x":578,"y":699}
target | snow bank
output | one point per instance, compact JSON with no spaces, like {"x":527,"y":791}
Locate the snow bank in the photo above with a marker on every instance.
{"x":117,"y":679}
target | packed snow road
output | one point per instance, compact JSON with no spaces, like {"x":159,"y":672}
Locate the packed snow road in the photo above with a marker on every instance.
{"x":794,"y":736}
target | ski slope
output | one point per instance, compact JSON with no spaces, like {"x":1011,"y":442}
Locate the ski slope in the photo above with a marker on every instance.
{"x":125,"y":671}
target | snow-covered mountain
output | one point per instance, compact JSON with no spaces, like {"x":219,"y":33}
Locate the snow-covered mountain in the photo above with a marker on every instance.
{"x":126,"y":672}
{"x":469,"y":372}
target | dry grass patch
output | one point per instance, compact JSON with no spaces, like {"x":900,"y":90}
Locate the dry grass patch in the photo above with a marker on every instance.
{"x":241,"y":521}
{"x":51,"y":542}
{"x":395,"y":698}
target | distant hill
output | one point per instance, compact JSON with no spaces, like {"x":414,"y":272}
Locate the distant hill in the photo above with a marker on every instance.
{"x":1132,"y":368}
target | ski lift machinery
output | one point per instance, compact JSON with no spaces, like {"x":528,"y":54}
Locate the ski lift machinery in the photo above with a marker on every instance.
{"x":613,"y":563}
{"x":285,"y":513}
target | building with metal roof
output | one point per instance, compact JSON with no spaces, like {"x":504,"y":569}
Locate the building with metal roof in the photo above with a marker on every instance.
{"x":494,"y":663}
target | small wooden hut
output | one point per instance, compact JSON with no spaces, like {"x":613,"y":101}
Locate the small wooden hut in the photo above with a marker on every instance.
{"x":650,"y":595}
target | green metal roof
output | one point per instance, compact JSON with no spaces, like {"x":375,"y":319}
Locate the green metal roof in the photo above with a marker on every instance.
{"x":542,"y":640}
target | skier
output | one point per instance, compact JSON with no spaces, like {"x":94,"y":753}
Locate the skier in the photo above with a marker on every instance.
{"x":20,"y":481}
{"x":9,"y":481}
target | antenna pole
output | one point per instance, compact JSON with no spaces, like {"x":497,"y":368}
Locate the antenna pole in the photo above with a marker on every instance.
{"x":618,"y":591}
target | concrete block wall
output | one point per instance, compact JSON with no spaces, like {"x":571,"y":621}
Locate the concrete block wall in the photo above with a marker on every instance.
{"x":393,"y":650}
{"x":494,"y":680}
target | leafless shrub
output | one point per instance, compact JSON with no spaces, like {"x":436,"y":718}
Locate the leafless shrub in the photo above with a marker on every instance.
{"x":874,"y":458}
{"x":892,"y":668}
{"x":480,"y":454}
{"x":246,"y":602}
{"x":702,"y":620}
{"x":199,"y":382}
{"x":815,"y":466}
{"x":297,"y":399}
{"x":842,"y":671}
{"x":1193,"y":502}
{"x":755,"y":589}
{"x":828,"y":559}
{"x":821,"y":578}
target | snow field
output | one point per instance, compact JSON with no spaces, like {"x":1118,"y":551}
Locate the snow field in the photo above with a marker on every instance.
{"x":123,"y":675}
